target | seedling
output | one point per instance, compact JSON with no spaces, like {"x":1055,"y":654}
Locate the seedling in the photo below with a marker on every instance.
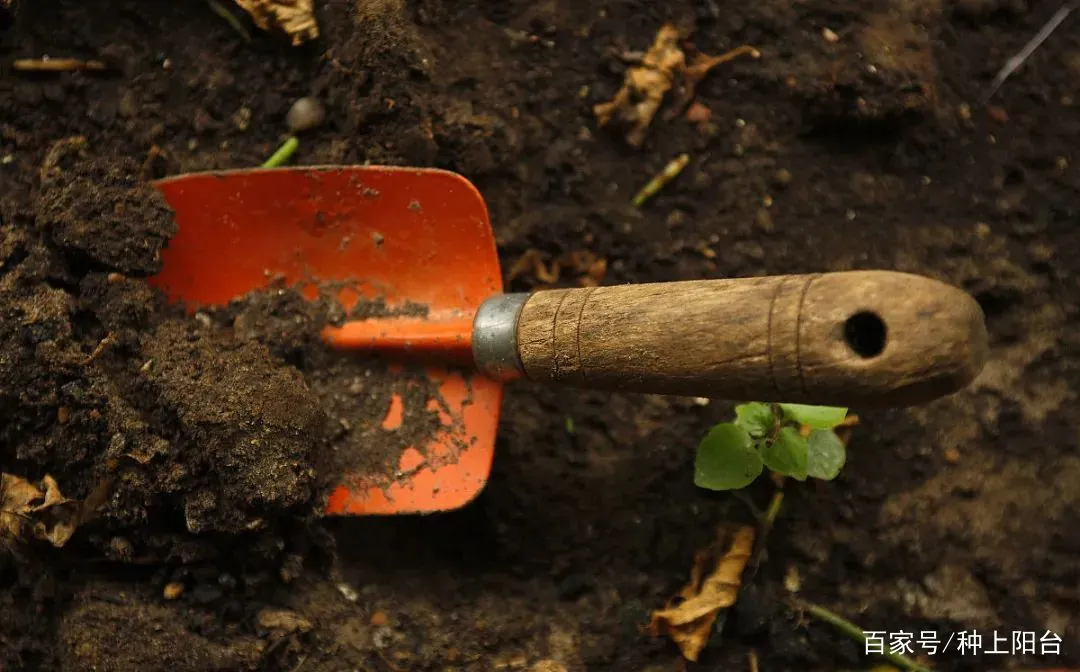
{"x":794,"y":440}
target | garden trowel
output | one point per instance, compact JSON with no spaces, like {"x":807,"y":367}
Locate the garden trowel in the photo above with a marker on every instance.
{"x":409,"y":236}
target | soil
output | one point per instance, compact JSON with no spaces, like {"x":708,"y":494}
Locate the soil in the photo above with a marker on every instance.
{"x":863,"y":147}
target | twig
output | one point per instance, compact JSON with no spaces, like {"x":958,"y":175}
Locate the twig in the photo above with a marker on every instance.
{"x":669,"y":173}
{"x":216,"y":7}
{"x":105,"y":342}
{"x":752,"y":656}
{"x":846,"y":627}
{"x":695,"y":74}
{"x":56,"y":65}
{"x":1016,"y":61}
{"x":286,"y":150}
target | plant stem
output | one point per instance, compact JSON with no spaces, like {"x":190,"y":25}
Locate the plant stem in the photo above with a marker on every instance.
{"x":218,"y":9}
{"x":765,"y":523}
{"x":283,"y":153}
{"x":669,"y":173}
{"x":853,"y":631}
{"x":772,"y":512}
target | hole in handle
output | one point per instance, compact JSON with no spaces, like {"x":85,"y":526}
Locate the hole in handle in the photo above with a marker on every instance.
{"x":865,"y":334}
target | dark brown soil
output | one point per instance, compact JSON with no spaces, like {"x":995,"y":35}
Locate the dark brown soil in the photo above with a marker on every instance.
{"x":870,"y":150}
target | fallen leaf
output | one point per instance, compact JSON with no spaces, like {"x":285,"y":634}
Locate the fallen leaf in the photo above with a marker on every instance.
{"x":587,"y":269}
{"x":688,"y":619}
{"x":282,"y":621}
{"x":644,"y":86}
{"x":42,"y":510}
{"x":295,"y":17}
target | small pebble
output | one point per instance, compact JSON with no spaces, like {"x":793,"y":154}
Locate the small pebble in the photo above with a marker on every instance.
{"x":305,"y":114}
{"x":952,"y":455}
{"x":347,"y":592}
{"x":997,"y":114}
{"x":173,"y":590}
{"x":63,"y":414}
{"x":829,"y":35}
{"x":123,"y":549}
{"x":792,"y":580}
{"x":764,"y":221}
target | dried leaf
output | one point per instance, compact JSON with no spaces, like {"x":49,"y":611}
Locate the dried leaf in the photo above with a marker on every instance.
{"x":42,"y":510}
{"x":644,"y":86}
{"x":295,"y":17}
{"x":688,"y":619}
{"x":695,"y":73}
{"x":282,"y":621}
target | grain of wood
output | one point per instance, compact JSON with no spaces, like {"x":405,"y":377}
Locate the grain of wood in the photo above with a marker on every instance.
{"x":780,"y":338}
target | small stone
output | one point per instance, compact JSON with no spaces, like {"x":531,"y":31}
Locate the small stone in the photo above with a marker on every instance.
{"x":782,"y":177}
{"x":114,"y":278}
{"x":173,"y":590}
{"x":347,"y":592}
{"x":1041,"y":253}
{"x":792,"y":581}
{"x":63,"y":414}
{"x":122,"y":548}
{"x":379,"y":619}
{"x":764,"y":221}
{"x":829,"y":35}
{"x":242,"y":118}
{"x":698,"y":113}
{"x":305,"y":114}
{"x":952,"y":455}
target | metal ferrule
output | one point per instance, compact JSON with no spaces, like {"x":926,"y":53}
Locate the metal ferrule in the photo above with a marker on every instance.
{"x":494,"y":337}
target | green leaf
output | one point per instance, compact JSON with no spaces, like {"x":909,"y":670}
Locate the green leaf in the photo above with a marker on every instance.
{"x":827,"y":454}
{"x":756,"y":418}
{"x":787,"y":455}
{"x":726,"y":460}
{"x":818,"y":417}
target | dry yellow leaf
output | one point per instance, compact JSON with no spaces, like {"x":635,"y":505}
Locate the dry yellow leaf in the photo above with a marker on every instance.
{"x":295,"y":17}
{"x":644,"y":86}
{"x":42,"y":511}
{"x":714,"y":585}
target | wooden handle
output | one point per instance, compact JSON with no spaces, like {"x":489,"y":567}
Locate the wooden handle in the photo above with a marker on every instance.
{"x":858,"y":338}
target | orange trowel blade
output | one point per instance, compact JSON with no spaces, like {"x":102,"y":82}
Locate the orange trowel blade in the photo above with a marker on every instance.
{"x":402,"y":235}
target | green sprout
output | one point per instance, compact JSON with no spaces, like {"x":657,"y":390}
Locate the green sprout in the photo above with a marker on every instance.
{"x":733,"y":454}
